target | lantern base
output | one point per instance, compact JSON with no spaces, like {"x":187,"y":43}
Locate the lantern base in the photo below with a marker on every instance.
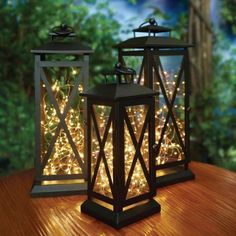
{"x":174,"y":178}
{"x":39,"y":190}
{"x":120,"y":219}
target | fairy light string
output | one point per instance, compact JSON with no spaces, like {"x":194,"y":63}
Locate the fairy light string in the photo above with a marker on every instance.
{"x":62,"y":160}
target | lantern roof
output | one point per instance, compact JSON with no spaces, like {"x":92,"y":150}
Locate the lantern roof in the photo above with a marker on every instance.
{"x":151,"y":26}
{"x":119,"y":90}
{"x":62,"y":48}
{"x":114,"y":92}
{"x":58,"y":44}
{"x":152,"y":40}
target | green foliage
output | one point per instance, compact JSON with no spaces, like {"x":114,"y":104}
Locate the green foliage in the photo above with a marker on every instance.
{"x":228,"y":10}
{"x":180,"y":29}
{"x":24,"y":26}
{"x":214,"y":116}
{"x":16,"y":126}
{"x":101,"y":31}
{"x":157,"y":13}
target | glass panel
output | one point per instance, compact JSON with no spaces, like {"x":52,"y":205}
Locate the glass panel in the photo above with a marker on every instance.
{"x":94,"y":148}
{"x":135,"y":62}
{"x":102,"y":185}
{"x":179,"y":108}
{"x":129,"y":151}
{"x":49,"y":122}
{"x":137,"y":115}
{"x":145,"y":149}
{"x":138,"y":184}
{"x":62,"y":81}
{"x":102,"y":114}
{"x":62,"y":160}
{"x":170,"y":147}
{"x":108,"y":149}
{"x":169,"y":68}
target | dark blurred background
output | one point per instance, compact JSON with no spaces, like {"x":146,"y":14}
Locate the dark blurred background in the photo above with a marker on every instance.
{"x":209,"y":24}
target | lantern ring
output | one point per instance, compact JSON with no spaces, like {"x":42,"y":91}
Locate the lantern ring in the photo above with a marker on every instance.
{"x":62,"y":30}
{"x":122,"y":70}
{"x":151,"y":21}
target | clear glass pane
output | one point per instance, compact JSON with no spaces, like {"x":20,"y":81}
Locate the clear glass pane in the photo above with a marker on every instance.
{"x":138,"y":184}
{"x":169,"y":68}
{"x":135,"y":62}
{"x":62,"y":160}
{"x":137,"y":115}
{"x":102,"y":185}
{"x":102,"y":114}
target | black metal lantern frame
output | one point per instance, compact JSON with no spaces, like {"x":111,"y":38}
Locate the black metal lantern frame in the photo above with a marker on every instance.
{"x":61,"y":73}
{"x":121,"y":172}
{"x":163,"y":65}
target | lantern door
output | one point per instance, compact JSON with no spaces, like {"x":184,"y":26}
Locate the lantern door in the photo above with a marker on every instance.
{"x":166,"y":71}
{"x":172,"y":107}
{"x":60,"y":115}
{"x":101,"y":146}
{"x":138,"y":142}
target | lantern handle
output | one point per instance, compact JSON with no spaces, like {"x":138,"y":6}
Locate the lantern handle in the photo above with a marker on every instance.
{"x":62,"y":30}
{"x":122,"y":70}
{"x":151,"y":21}
{"x":119,"y":69}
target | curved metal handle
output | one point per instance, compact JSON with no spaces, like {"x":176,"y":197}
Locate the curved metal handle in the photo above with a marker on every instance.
{"x":62,"y":30}
{"x":122,"y":70}
{"x":151,"y":21}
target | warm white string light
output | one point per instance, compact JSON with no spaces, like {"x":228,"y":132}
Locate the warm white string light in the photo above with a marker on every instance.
{"x":63,"y":161}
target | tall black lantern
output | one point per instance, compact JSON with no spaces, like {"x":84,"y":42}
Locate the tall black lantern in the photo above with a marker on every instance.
{"x":121,"y":167}
{"x":61,"y":73}
{"x":163,"y":65}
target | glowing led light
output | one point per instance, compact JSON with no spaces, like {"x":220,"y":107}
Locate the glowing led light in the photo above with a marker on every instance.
{"x":62,"y":161}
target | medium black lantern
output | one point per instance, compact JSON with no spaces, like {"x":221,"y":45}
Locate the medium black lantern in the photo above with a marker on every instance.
{"x":121,"y":167}
{"x":162,"y":62}
{"x":61,"y":73}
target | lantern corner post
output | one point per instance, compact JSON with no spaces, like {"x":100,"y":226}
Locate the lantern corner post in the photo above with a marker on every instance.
{"x":118,"y":161}
{"x":148,"y":58}
{"x":37,"y":117}
{"x":187,"y":110}
{"x":152,"y":161}
{"x":37,"y":81}
{"x":86,"y":113}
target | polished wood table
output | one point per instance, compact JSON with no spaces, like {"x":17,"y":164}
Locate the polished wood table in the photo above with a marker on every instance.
{"x":204,"y":206}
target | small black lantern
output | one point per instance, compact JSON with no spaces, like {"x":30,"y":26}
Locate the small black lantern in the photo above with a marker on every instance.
{"x":121,"y":167}
{"x":163,"y":65}
{"x":61,"y":73}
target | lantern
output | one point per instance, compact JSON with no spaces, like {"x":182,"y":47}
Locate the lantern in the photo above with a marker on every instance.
{"x":163,"y":65}
{"x":120,"y":152}
{"x":61,"y":73}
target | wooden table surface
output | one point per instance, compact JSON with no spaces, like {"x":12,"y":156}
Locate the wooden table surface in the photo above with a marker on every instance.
{"x":204,"y":206}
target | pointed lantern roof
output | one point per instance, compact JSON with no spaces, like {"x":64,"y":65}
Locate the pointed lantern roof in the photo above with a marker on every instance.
{"x":119,"y":91}
{"x":152,"y":40}
{"x":60,"y":46}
